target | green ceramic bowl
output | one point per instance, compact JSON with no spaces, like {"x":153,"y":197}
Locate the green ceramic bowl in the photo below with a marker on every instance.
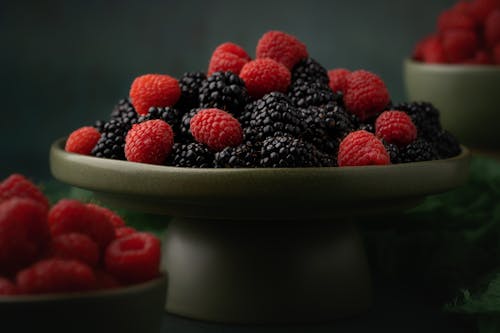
{"x":262,"y":245}
{"x":468,"y":97}
{"x":138,"y":308}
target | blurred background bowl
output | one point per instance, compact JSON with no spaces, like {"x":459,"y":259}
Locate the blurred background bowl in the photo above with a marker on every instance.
{"x":468,"y":97}
{"x":136,"y":308}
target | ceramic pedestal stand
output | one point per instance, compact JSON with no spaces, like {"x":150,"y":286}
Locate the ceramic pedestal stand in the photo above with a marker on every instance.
{"x":262,"y":245}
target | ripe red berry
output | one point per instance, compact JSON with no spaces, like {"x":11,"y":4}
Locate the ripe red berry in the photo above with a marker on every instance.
{"x":105,"y":280}
{"x":134,"y":258}
{"x":338,"y":79}
{"x":149,"y":142}
{"x":366,"y":94}
{"x":492,"y":28}
{"x":75,"y":246}
{"x":113,"y":217}
{"x":281,"y":47}
{"x":228,"y":57}
{"x":395,"y":127}
{"x":124,"y":231}
{"x":453,"y":19}
{"x":56,"y":276}
{"x":154,"y":90}
{"x":459,"y":45}
{"x":430,"y":50}
{"x":69,"y":216}
{"x":17,"y":186}
{"x":216,"y":128}
{"x":24,"y":233}
{"x":362,"y":148}
{"x":262,"y":76}
{"x":7,"y":288}
{"x":82,"y":140}
{"x":480,"y":9}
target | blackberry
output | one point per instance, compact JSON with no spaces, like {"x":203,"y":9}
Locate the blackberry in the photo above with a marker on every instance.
{"x":304,"y":94}
{"x":393,"y":151}
{"x":446,"y":145}
{"x":124,"y":111}
{"x":190,"y":155}
{"x":169,"y":115}
{"x":190,"y":84}
{"x":224,"y":90}
{"x":417,"y":151}
{"x":310,"y":70}
{"x":184,"y":134}
{"x":425,"y":117}
{"x":271,"y":115}
{"x":99,"y":125}
{"x":112,"y":141}
{"x":287,"y":151}
{"x":345,"y":122}
{"x":319,"y":128}
{"x":245,"y":155}
{"x":369,"y":127}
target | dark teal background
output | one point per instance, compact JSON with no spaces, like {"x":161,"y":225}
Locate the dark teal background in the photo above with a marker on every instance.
{"x":65,"y":64}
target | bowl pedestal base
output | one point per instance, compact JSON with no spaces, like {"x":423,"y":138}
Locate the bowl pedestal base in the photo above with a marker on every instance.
{"x":265,"y":271}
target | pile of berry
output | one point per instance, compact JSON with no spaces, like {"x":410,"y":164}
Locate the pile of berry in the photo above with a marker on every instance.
{"x":281,"y":109}
{"x":69,"y":247}
{"x":467,"y":33}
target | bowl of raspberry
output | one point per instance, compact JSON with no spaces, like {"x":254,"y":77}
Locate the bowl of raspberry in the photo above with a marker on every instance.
{"x":457,"y":68}
{"x":263,"y":165}
{"x":74,"y":266}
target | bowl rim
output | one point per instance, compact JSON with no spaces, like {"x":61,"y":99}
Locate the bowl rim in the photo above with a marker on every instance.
{"x":448,"y":68}
{"x":50,"y":297}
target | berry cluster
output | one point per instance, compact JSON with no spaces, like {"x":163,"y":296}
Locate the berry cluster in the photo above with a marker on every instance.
{"x":281,"y":109}
{"x":467,"y":33}
{"x":69,"y":247}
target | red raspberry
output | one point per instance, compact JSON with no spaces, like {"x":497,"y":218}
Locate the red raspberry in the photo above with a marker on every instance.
{"x":17,"y":186}
{"x":7,"y":288}
{"x":282,"y":47}
{"x":480,"y":58}
{"x":480,"y":9}
{"x":430,"y":50}
{"x":452,"y":19}
{"x":56,"y":276}
{"x":134,"y":258}
{"x":154,"y":90}
{"x":496,"y":54}
{"x":24,"y":233}
{"x":69,"y":216}
{"x":459,"y":45}
{"x":463,"y":7}
{"x":113,"y":217}
{"x":395,"y":127}
{"x":262,"y":76}
{"x":82,"y":140}
{"x":228,"y":57}
{"x":104,"y":280}
{"x":492,"y":28}
{"x":365,"y":94}
{"x":216,"y":128}
{"x":124,"y":231}
{"x":75,"y":246}
{"x":338,"y":78}
{"x":149,"y":142}
{"x":362,"y":148}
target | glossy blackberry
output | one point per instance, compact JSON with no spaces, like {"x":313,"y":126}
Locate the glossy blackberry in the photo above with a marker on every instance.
{"x":345,"y":122}
{"x":310,"y":70}
{"x":369,"y":127}
{"x":246,"y":155}
{"x":320,"y":128}
{"x":446,"y":145}
{"x":288,"y":152}
{"x":304,"y":94}
{"x":112,"y":141}
{"x":271,"y":115}
{"x":169,"y":115}
{"x":190,"y":155}
{"x":417,"y":151}
{"x":224,"y":90}
{"x":425,"y":117}
{"x":124,"y":111}
{"x":190,"y":84}
{"x":184,"y":134}
{"x":99,"y":125}
{"x":394,"y":153}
